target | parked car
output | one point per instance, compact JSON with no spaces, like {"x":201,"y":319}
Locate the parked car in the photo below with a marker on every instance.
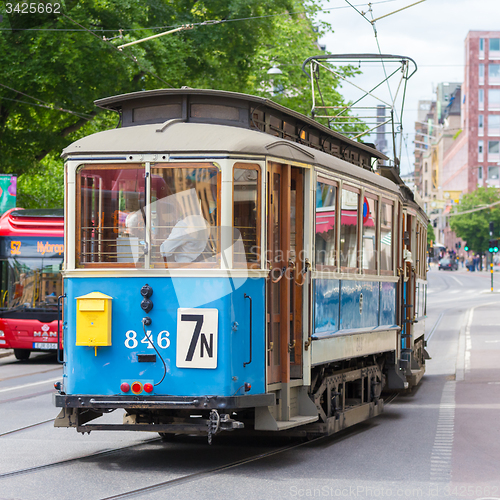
{"x":450,"y":264}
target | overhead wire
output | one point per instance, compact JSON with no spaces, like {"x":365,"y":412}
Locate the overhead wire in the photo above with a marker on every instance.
{"x":202,"y":23}
{"x":399,"y":119}
{"x":43,"y":104}
{"x":132,"y":58}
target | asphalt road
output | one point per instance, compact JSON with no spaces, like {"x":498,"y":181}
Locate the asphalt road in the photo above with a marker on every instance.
{"x":440,"y":441}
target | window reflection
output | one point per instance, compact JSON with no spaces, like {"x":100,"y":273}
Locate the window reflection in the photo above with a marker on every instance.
{"x":386,"y":224}
{"x":326,"y":196}
{"x":246,"y":215}
{"x":349,"y":229}
{"x":369,"y":234}
{"x":184,"y":214}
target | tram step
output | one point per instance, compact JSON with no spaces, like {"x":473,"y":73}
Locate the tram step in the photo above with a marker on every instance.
{"x":295,"y":421}
{"x":264,"y":421}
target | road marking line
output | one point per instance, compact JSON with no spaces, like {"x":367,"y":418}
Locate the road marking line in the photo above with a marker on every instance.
{"x":17,"y":387}
{"x":441,"y":457}
{"x":457,"y":280}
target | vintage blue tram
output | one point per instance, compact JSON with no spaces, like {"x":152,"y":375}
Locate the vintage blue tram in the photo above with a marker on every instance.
{"x":231,"y":263}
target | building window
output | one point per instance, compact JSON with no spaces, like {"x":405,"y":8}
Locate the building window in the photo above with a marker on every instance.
{"x":494,"y":48}
{"x":426,"y":191}
{"x":479,"y":173}
{"x":481,"y":48}
{"x":481,"y":98}
{"x":480,"y":148}
{"x":494,"y":99}
{"x":493,"y":151}
{"x":493,"y":74}
{"x":481,"y":74}
{"x":480,"y":125}
{"x":493,"y":125}
{"x":493,"y":172}
{"x":425,"y":167}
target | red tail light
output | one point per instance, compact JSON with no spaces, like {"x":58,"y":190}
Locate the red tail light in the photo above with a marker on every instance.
{"x":136,"y":387}
{"x":148,"y":387}
{"x":125,"y":387}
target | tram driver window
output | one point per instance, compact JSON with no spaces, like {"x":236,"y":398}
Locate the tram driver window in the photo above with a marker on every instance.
{"x":184,"y":208}
{"x":246,"y":216}
{"x":326,"y":199}
{"x":349,"y":229}
{"x":386,"y":225}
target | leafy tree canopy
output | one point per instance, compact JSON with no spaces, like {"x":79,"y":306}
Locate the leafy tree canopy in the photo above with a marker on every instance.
{"x":55,"y":65}
{"x":473,"y":227}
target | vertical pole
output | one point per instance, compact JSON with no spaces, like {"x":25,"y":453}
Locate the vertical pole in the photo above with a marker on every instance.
{"x":491,"y":268}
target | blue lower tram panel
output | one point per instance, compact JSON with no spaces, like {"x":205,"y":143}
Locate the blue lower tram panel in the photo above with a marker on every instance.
{"x":200,"y":328}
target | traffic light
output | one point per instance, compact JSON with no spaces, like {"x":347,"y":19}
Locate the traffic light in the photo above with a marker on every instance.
{"x":466,"y":247}
{"x":493,"y":246}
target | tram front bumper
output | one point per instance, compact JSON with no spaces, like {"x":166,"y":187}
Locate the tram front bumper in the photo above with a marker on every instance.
{"x":164,"y":402}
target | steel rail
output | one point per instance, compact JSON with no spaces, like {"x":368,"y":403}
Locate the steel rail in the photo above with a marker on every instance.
{"x":26,"y":427}
{"x":111,"y":451}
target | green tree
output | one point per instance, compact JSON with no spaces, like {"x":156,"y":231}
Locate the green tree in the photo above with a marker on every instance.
{"x":473,"y":227}
{"x":55,"y":65}
{"x":431,"y":237}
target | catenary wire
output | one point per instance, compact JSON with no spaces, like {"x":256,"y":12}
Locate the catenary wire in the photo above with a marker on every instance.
{"x":204,"y":23}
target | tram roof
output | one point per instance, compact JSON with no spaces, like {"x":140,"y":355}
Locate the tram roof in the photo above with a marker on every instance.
{"x":234,"y":109}
{"x":201,"y":140}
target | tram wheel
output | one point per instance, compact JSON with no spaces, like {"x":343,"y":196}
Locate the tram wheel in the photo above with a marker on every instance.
{"x":22,"y":354}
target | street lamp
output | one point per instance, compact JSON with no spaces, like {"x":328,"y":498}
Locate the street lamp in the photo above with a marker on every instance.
{"x":274,"y":70}
{"x":277,"y":88}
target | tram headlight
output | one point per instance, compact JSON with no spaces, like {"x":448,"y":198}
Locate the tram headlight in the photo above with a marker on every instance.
{"x":146,"y":305}
{"x":2,"y":334}
{"x":146,"y":291}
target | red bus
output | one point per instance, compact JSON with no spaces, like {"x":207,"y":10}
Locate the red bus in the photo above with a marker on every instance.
{"x":31,"y":259}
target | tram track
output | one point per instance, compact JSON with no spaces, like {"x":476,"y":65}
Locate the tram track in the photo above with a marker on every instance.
{"x":13,"y":431}
{"x":31,"y":374}
{"x":60,"y":463}
{"x":194,"y":476}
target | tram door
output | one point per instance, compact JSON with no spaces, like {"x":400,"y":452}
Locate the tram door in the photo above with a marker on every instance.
{"x":409,"y":304}
{"x":285,"y":241}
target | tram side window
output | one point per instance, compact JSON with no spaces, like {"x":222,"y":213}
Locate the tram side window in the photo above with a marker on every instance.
{"x":246,"y":216}
{"x":386,"y":226}
{"x":184,"y":215}
{"x":326,"y":199}
{"x":111,"y":221}
{"x":369,"y":234}
{"x":349,"y":229}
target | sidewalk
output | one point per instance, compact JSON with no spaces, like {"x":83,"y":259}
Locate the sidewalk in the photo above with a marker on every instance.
{"x":476,"y":447}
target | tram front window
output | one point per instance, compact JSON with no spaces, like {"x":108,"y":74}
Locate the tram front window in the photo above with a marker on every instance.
{"x":184,"y":208}
{"x":111,"y":216}
{"x":118,"y":228}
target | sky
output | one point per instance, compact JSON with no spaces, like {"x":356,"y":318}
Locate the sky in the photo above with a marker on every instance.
{"x":432,"y":33}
